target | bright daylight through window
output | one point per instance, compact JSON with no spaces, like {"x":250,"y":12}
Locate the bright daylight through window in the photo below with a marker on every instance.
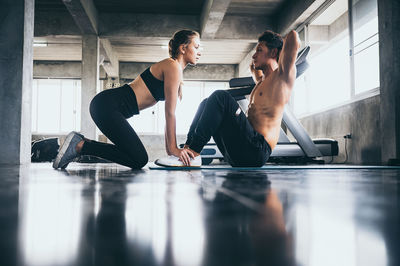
{"x":152,"y":120}
{"x":329,"y":80}
{"x":56,"y":106}
{"x":366,"y":45}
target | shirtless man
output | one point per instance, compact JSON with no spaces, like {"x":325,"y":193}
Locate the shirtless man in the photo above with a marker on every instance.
{"x":248,"y":140}
{"x":273,"y":90}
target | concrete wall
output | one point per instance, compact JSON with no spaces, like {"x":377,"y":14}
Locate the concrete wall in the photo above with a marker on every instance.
{"x":199,"y":72}
{"x":129,"y":71}
{"x":16,"y":42}
{"x":57,"y":69}
{"x":361,"y":120}
{"x":389,"y":36}
{"x":51,"y":23}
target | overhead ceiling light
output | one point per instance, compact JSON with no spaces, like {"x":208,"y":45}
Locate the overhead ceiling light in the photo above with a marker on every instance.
{"x":40,"y":44}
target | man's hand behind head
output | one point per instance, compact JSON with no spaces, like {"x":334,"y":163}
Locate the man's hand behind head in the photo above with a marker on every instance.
{"x":257,"y":74}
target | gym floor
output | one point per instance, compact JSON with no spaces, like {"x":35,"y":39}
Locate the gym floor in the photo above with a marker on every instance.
{"x":104,"y":214}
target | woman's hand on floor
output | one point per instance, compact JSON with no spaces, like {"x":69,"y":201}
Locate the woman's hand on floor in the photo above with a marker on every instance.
{"x":185,"y":155}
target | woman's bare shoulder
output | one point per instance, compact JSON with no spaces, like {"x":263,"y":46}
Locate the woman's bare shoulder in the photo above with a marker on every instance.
{"x":167,"y":62}
{"x":164,"y":67}
{"x":169,"y":65}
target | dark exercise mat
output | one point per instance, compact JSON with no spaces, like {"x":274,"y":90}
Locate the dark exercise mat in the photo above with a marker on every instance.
{"x":153,"y":166}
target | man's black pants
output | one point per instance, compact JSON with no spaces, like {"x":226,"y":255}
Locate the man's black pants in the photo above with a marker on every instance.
{"x":219,"y":116}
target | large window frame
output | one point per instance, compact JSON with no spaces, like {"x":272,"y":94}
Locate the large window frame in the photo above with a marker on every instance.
{"x":353,"y":96}
{"x":58,"y":104}
{"x":151,"y":121}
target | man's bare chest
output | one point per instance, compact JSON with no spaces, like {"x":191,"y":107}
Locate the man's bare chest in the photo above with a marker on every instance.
{"x":262,"y":92}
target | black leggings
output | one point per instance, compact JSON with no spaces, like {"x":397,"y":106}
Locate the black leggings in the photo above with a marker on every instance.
{"x":110,"y":110}
{"x":220,"y":117}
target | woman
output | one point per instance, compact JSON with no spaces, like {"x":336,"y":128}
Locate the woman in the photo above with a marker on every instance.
{"x":110,"y":109}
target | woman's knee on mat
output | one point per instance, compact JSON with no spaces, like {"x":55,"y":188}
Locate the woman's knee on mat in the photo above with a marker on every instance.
{"x":142,"y":163}
{"x":138,"y":162}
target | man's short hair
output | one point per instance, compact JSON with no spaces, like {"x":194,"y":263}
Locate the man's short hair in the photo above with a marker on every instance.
{"x":272,"y":40}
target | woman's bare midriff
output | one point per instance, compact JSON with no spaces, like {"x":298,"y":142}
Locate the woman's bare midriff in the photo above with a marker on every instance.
{"x":143,"y":96}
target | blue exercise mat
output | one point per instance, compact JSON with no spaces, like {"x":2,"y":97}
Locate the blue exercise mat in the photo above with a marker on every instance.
{"x":153,"y":166}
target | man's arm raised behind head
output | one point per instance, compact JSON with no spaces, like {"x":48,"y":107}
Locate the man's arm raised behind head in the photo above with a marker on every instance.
{"x":287,"y":58}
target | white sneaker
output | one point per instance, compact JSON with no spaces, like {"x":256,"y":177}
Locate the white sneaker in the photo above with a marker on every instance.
{"x":173,"y":161}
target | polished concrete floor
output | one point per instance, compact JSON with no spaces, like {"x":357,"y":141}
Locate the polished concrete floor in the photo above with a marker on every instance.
{"x":103,"y":214}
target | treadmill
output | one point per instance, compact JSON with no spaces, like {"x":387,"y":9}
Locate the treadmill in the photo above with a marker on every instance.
{"x":303,"y":150}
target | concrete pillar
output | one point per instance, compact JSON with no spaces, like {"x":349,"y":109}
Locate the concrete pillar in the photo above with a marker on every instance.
{"x":90,"y":79}
{"x":16,"y":67}
{"x":389,"y":47}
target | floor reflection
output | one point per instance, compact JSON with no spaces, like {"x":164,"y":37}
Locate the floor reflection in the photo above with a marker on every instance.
{"x":245,"y":224}
{"x":186,"y":215}
{"x":106,"y":215}
{"x":9,"y":188}
{"x":49,"y":220}
{"x":112,"y":245}
{"x":326,"y":225}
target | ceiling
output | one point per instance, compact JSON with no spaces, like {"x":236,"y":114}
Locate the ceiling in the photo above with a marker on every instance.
{"x":177,"y":7}
{"x":253,"y":7}
{"x":69,"y":49}
{"x":332,"y":13}
{"x":139,"y":31}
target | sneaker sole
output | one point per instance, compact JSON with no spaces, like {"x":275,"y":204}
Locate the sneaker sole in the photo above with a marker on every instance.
{"x":61,"y":153}
{"x":164,"y":165}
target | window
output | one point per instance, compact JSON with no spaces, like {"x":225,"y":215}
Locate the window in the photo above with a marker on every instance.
{"x":327,"y":81}
{"x":300,"y":98}
{"x":152,"y":120}
{"x":336,"y":75}
{"x":329,"y":76}
{"x":56,"y":106}
{"x":366,"y":45}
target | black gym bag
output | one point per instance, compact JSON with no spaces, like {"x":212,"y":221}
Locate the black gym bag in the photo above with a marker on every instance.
{"x":44,"y":150}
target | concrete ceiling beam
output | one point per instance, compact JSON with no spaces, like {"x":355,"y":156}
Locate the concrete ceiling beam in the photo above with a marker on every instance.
{"x":293,"y":14}
{"x":244,"y":66}
{"x":110,"y":63}
{"x":211,"y":17}
{"x":164,"y":26}
{"x":154,"y":27}
{"x":243,"y":27}
{"x":145,"y":25}
{"x":84,"y":14}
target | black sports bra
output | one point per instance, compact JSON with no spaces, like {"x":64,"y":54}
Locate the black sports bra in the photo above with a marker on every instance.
{"x":155,"y":86}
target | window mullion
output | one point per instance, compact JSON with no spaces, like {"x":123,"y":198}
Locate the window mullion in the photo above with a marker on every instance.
{"x":60,"y":107}
{"x":74,"y":93}
{"x":37,"y":106}
{"x":351,"y":50}
{"x":306,"y":80}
